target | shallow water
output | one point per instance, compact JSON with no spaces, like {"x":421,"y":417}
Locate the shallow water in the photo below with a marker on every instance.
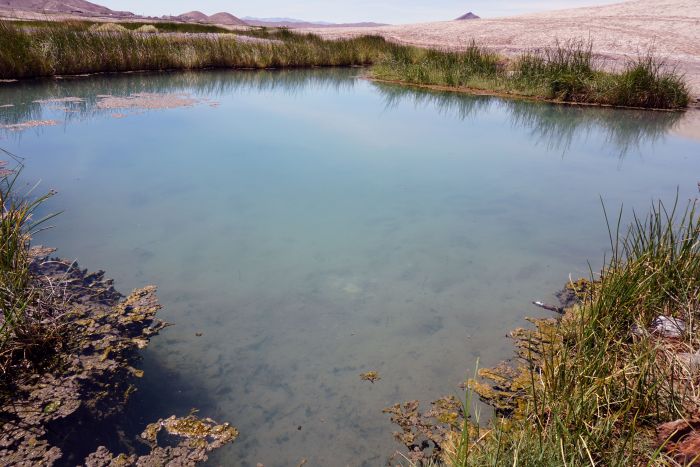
{"x":313,"y":226}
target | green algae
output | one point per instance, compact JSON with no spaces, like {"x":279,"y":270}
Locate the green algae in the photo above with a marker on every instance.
{"x":52,"y":407}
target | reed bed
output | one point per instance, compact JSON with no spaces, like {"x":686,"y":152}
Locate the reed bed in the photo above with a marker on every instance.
{"x":162,"y":26}
{"x":61,"y":49}
{"x":565,"y":72}
{"x":594,"y":386}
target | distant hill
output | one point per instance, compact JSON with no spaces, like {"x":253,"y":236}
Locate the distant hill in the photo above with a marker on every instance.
{"x":218,"y":18}
{"x":282,"y":20}
{"x":227,"y":19}
{"x":61,"y":6}
{"x":197,"y":16}
{"x":469,"y":15}
{"x":300,"y":23}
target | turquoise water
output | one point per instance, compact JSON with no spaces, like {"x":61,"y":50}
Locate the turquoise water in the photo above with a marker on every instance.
{"x":313,"y":226}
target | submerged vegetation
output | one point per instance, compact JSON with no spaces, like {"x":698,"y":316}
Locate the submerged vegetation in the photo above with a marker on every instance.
{"x":566,"y":72}
{"x":612,"y":382}
{"x":68,"y":341}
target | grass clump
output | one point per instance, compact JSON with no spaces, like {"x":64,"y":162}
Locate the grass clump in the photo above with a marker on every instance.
{"x":147,"y":29}
{"x":108,"y":27}
{"x":593,"y":386}
{"x":27,"y":331}
{"x":434,"y":67}
{"x":645,"y":83}
{"x":566,"y":72}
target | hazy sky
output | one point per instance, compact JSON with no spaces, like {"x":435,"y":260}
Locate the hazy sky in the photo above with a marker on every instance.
{"x":386,"y":11}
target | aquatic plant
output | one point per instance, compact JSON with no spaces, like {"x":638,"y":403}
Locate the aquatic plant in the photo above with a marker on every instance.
{"x":21,"y":330}
{"x":565,"y":72}
{"x":63,"y":49}
{"x":593,"y":387}
{"x":434,"y":67}
{"x":370,"y":376}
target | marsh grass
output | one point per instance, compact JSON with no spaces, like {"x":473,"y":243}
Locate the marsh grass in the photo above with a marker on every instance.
{"x":27,"y":330}
{"x":61,"y":49}
{"x":565,"y":72}
{"x":594,"y":385}
{"x":469,"y":68}
{"x":83,"y":25}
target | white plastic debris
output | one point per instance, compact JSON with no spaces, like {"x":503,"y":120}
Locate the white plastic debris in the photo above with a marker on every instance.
{"x":668,"y":327}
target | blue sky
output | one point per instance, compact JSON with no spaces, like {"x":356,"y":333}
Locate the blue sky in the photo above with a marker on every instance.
{"x":386,"y":11}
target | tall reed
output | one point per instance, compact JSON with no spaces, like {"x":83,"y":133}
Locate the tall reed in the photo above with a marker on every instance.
{"x":61,"y":49}
{"x":565,"y":72}
{"x":17,"y":292}
{"x":594,"y":385}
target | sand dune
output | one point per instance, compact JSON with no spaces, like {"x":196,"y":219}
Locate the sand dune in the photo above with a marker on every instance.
{"x":671,"y":28}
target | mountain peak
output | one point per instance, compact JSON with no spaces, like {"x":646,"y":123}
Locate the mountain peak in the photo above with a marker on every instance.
{"x":227,"y":19}
{"x":469,"y":15}
{"x":194,"y":16}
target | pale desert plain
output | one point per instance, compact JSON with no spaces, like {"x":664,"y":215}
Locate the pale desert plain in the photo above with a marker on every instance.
{"x":668,"y":28}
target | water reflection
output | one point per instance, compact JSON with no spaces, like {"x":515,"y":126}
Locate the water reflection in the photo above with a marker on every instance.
{"x":77,"y":98}
{"x":555,"y":126}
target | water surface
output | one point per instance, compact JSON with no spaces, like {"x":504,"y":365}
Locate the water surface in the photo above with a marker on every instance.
{"x":312,"y":226}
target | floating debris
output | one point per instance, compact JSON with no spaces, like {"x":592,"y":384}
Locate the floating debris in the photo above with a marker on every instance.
{"x":145,"y":100}
{"x":61,"y":100}
{"x":547,"y":307}
{"x":669,"y":327}
{"x":370,"y":376}
{"x":680,"y":439}
{"x":4,"y":172}
{"x":30,"y":124}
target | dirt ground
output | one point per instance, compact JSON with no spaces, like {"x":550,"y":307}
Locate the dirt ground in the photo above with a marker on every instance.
{"x":669,"y":28}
